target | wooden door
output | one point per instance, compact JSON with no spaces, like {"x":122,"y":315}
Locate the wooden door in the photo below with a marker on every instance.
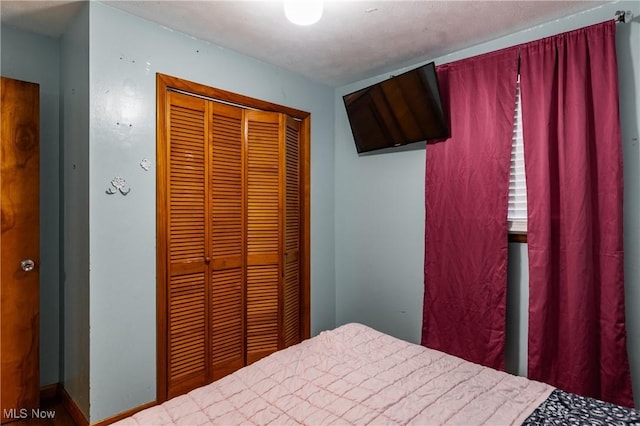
{"x":291,"y":308}
{"x":187,"y":254}
{"x":227,"y":239}
{"x":264,"y":224}
{"x":233,"y":232}
{"x":20,"y":305}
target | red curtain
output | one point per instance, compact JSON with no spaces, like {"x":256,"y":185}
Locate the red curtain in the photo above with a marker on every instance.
{"x":467,"y":185}
{"x":577,"y":338}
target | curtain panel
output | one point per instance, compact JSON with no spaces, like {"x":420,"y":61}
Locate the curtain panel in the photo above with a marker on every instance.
{"x":573,"y":161}
{"x":467,"y":185}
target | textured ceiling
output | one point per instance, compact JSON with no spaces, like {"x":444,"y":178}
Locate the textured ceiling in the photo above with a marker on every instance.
{"x":353,"y":40}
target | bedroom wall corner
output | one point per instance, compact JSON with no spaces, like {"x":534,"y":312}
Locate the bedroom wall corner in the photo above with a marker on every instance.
{"x":379,"y":231}
{"x":74,"y":91}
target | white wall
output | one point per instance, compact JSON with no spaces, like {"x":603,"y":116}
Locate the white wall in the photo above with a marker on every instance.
{"x":379,"y":203}
{"x":40,"y":65}
{"x":74,"y":100}
{"x":125,"y":54}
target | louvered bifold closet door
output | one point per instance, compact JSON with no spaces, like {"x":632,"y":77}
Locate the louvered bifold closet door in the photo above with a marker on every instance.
{"x":264,"y":220}
{"x":227,"y":240}
{"x":292,"y":230}
{"x":187,"y":296}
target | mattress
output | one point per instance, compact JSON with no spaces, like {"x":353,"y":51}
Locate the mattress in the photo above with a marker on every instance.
{"x":357,"y":375}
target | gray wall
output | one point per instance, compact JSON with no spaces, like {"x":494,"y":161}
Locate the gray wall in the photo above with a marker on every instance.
{"x":379,"y":201}
{"x":125,"y":54}
{"x":34,"y":58}
{"x":74,"y":89}
{"x":517,"y":310}
{"x":628,"y":49}
{"x":379,"y":233}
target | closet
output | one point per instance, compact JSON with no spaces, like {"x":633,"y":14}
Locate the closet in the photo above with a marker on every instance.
{"x":233,"y":227}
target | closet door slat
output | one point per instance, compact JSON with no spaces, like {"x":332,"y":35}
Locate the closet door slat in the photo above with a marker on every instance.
{"x":227,"y":240}
{"x":264,"y":217}
{"x":292,"y":229}
{"x":187,"y":246}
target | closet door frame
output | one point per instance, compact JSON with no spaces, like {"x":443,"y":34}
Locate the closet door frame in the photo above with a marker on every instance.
{"x":164,"y":84}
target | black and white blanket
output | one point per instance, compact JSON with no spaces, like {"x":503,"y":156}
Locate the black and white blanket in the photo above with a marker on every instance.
{"x":564,"y":408}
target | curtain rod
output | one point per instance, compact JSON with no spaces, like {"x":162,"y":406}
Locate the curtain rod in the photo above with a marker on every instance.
{"x":623,"y":17}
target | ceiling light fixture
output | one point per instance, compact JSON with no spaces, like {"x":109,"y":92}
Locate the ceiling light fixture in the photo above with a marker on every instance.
{"x":303,"y":12}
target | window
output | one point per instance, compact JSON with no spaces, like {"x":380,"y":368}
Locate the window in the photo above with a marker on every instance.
{"x":517,"y":213}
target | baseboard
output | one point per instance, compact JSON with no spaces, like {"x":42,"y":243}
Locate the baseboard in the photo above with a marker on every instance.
{"x":72,"y":408}
{"x":48,"y":392}
{"x":124,"y":414}
{"x":57,"y":391}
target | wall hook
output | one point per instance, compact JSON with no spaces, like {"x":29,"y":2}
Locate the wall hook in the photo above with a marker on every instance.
{"x":145,"y":164}
{"x":118,"y":184}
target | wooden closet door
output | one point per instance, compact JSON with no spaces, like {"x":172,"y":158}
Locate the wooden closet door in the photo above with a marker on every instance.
{"x":227,"y":239}
{"x":233,"y":232}
{"x":292,"y":234}
{"x":264,"y":224}
{"x":188,"y":240}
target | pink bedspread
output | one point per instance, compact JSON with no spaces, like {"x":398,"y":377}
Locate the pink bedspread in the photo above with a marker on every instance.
{"x":355,"y":375}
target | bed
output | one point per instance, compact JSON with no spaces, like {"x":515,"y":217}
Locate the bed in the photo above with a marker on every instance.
{"x":357,"y":375}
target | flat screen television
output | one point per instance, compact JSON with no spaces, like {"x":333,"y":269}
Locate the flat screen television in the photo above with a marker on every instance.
{"x":400,"y":110}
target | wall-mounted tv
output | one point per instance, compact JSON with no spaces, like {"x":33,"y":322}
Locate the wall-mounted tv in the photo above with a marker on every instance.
{"x":403,"y":109}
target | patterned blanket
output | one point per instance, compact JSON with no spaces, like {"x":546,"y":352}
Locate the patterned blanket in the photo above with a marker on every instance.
{"x":355,"y":375}
{"x":564,"y":408}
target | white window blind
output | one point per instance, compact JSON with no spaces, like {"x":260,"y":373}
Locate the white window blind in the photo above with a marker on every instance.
{"x":517,"y":214}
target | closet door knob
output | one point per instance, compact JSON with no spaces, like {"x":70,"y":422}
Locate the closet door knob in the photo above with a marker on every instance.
{"x":27,"y":265}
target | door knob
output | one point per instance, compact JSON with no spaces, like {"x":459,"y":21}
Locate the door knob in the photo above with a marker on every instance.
{"x":27,"y":265}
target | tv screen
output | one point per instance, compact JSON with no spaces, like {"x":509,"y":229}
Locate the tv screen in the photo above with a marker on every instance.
{"x":403,"y":109}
